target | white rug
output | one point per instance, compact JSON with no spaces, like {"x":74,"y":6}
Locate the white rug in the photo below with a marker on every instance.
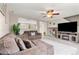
{"x":62,"y":47}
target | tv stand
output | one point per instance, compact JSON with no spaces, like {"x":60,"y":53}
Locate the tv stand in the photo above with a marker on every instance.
{"x":70,"y":36}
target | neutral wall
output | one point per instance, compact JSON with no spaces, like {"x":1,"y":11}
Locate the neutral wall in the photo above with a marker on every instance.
{"x":27,"y":24}
{"x":74,"y":18}
{"x":4,"y":22}
{"x":40,"y":25}
{"x":13,"y":19}
{"x":55,"y":22}
{"x":43,"y":28}
{"x":7,"y":20}
{"x":2,"y":25}
{"x":23,"y":20}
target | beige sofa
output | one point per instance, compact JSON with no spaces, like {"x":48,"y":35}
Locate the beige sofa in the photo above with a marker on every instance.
{"x":32,"y":35}
{"x":8,"y":46}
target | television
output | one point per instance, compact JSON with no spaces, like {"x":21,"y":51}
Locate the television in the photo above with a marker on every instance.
{"x":68,"y":27}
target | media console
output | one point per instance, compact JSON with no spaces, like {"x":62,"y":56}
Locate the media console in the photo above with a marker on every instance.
{"x":70,"y":36}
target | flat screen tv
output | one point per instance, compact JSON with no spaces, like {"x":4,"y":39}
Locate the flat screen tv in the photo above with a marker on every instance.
{"x":68,"y":27}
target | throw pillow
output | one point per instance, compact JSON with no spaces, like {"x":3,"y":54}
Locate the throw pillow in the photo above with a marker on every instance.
{"x":32,"y":33}
{"x":20,"y":43}
{"x":27,"y":44}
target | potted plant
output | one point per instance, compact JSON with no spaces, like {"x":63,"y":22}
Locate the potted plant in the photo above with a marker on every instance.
{"x":16,"y":28}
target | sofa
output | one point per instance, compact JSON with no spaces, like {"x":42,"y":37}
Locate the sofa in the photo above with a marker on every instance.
{"x":8,"y":46}
{"x":32,"y":35}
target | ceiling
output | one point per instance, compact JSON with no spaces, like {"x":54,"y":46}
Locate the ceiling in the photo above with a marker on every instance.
{"x":32,"y":10}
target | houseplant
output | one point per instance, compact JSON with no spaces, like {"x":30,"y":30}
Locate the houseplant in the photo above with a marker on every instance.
{"x":16,"y":28}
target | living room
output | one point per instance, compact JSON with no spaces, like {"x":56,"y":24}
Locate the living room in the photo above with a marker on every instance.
{"x":40,"y":29}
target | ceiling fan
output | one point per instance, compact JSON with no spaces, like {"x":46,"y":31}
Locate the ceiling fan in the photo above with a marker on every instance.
{"x":50,"y":13}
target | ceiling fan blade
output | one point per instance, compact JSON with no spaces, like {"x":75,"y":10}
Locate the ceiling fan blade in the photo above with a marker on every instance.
{"x":44,"y":16}
{"x":43,"y":13}
{"x":55,"y":13}
{"x":50,"y":11}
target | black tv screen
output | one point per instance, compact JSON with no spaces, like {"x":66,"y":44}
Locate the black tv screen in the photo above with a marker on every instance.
{"x":68,"y":27}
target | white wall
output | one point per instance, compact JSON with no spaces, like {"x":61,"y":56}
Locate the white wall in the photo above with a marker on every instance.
{"x":74,"y":18}
{"x":4,"y":22}
{"x":54,"y":23}
{"x":43,"y":27}
{"x":23,"y":20}
{"x":40,"y":25}
{"x":3,"y":26}
{"x":7,"y":21}
{"x":57,"y":21}
{"x":25,"y":23}
{"x":13,"y":19}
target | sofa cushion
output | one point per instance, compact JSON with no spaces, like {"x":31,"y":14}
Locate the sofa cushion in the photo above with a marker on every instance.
{"x":8,"y":46}
{"x":32,"y":45}
{"x":3,"y":50}
{"x":41,"y":48}
{"x":20,"y":43}
{"x":27,"y":44}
